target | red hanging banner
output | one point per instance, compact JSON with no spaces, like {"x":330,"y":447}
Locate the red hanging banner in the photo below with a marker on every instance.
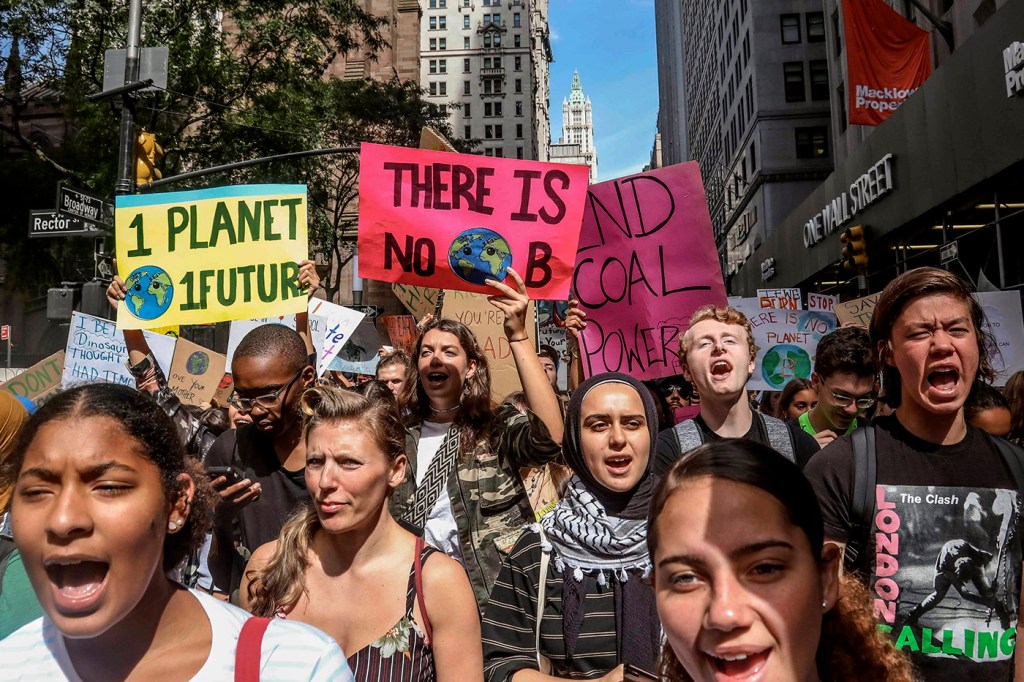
{"x":887,"y":59}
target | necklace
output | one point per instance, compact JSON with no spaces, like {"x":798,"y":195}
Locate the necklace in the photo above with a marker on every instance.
{"x":442,"y":411}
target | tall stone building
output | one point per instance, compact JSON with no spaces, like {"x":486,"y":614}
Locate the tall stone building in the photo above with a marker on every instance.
{"x":401,"y":58}
{"x":489,"y":58}
{"x":577,"y":130}
{"x":745,"y":92}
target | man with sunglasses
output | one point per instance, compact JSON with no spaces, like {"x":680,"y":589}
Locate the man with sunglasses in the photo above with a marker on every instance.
{"x":845,"y":380}
{"x":270,"y":369}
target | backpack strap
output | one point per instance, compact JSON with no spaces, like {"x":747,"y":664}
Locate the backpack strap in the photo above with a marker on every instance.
{"x":249,"y":648}
{"x":862,"y":504}
{"x":688,"y":435}
{"x":1013,"y":456}
{"x":779,"y":435}
{"x":543,"y":664}
{"x":421,"y":555}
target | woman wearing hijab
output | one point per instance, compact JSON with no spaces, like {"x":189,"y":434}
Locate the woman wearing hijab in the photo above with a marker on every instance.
{"x":572,"y":599}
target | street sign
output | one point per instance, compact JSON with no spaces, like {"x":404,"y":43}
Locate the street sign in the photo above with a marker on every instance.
{"x":949,"y":253}
{"x":5,"y":332}
{"x":49,"y":223}
{"x":84,"y":206}
{"x":371,"y":311}
{"x":152,"y":64}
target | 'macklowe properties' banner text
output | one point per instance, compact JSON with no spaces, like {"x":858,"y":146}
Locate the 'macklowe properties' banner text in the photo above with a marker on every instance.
{"x":887,"y":58}
{"x":211,"y":255}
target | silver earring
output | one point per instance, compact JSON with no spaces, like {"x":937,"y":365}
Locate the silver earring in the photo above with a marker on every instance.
{"x":179,"y":523}
{"x":171,"y":526}
{"x":824,"y":604}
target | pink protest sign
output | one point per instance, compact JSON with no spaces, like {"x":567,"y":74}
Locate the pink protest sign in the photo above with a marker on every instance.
{"x":453,"y":221}
{"x":646,"y":261}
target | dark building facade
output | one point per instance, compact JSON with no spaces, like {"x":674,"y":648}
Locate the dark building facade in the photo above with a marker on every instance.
{"x":941,"y":182}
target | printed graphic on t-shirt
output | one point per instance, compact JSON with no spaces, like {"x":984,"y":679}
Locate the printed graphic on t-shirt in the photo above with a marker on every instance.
{"x":946,"y":575}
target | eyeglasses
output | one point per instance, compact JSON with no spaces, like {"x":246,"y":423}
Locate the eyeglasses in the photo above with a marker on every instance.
{"x":840,"y":400}
{"x":265,"y":401}
{"x":675,"y":389}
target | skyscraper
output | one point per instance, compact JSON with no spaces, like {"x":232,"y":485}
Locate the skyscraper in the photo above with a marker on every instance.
{"x":577,"y":142}
{"x":490,"y":59}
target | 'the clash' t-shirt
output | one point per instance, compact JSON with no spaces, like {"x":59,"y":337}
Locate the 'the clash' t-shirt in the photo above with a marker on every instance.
{"x":944,"y":564}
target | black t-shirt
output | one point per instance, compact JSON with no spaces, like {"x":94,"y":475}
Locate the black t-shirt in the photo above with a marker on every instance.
{"x":283,"y":490}
{"x":667,"y":449}
{"x":944,"y":569}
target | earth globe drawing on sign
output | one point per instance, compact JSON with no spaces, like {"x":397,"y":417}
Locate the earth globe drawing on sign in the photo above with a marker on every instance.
{"x":784,"y":362}
{"x":197,"y":363}
{"x":479,"y":254}
{"x":150,"y":292}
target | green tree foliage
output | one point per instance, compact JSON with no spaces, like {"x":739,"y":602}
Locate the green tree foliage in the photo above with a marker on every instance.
{"x":246,"y":79}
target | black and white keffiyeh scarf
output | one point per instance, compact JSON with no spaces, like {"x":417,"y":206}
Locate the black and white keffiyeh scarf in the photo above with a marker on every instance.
{"x":598,"y":537}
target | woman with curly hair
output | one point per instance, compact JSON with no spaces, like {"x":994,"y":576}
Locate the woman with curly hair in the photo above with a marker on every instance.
{"x":463,"y":488}
{"x":744,"y":583}
{"x":345,"y":566}
{"x":105,"y":503}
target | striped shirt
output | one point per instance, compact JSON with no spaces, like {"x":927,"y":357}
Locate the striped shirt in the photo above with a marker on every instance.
{"x":290,"y":651}
{"x":509,"y":624}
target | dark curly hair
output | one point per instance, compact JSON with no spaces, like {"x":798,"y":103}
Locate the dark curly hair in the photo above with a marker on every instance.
{"x":146,"y":423}
{"x":476,"y":416}
{"x":851,"y":647}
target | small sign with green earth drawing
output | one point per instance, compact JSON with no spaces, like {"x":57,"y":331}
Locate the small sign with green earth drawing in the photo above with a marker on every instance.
{"x":786,"y":342}
{"x":150,"y":292}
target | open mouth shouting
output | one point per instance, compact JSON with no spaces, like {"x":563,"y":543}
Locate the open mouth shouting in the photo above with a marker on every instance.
{"x":738,"y":666}
{"x":943,"y":381}
{"x":76,"y":582}
{"x":618,"y":465}
{"x":436,"y":380}
{"x":720,"y":369}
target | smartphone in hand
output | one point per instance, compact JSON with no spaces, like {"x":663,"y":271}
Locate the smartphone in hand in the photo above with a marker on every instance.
{"x":231,"y":473}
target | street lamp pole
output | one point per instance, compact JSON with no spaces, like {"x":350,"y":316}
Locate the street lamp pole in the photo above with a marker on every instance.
{"x":126,"y":150}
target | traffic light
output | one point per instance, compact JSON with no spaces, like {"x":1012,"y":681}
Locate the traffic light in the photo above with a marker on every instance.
{"x":855,"y":251}
{"x":147,"y":153}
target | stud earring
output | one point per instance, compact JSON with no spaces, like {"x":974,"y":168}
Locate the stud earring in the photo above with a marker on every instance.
{"x":171,"y":526}
{"x":179,"y":523}
{"x":824,"y":604}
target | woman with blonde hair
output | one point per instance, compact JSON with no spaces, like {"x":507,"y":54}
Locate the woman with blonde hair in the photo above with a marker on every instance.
{"x":745,"y":585}
{"x":344,"y":565}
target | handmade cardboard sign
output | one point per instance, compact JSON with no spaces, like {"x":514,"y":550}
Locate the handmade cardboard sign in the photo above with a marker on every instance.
{"x":858,"y":311}
{"x":786,"y":340}
{"x":646,"y":261}
{"x":359,"y":353}
{"x":95,"y":352}
{"x":162,"y":348}
{"x":331,"y":326}
{"x":822,"y":302}
{"x":488,"y":325}
{"x":239,"y":328}
{"x":211,"y":255}
{"x":402,"y":331}
{"x":40,"y":381}
{"x":417,"y":300}
{"x":196,"y":373}
{"x":454,"y":221}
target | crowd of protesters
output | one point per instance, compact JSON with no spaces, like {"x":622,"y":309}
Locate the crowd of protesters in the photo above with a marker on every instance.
{"x":861,"y":524}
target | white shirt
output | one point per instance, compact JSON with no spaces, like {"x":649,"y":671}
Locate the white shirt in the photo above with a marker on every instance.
{"x":440,"y":530}
{"x":290,"y":650}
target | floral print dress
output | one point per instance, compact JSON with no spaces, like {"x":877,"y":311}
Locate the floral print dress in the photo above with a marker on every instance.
{"x":402,"y":654}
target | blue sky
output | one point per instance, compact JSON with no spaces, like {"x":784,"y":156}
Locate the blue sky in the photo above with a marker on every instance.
{"x":612,"y":44}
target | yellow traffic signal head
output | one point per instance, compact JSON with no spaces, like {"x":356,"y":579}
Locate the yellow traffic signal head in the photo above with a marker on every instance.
{"x":147,"y":153}
{"x":855,"y":252}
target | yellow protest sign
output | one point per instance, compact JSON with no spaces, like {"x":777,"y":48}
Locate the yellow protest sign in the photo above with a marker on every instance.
{"x":212,"y":255}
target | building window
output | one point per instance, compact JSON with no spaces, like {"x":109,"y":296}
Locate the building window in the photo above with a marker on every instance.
{"x":516,"y":21}
{"x":465,"y":22}
{"x":433,"y":44}
{"x":467,"y":132}
{"x":487,"y":86}
{"x":487,"y":20}
{"x":465,"y":87}
{"x":465,"y":65}
{"x":520,"y":153}
{"x":433,"y":23}
{"x":488,"y":151}
{"x":819,"y":79}
{"x":812,"y":143}
{"x":442,"y":65}
{"x":519,"y":108}
{"x":815,"y":27}
{"x":442,"y":88}
{"x":467,"y":110}
{"x":433,"y":88}
{"x":497,"y":20}
{"x":790,"y":28}
{"x":442,"y":3}
{"x":489,"y":132}
{"x":433,"y":66}
{"x":442,"y":22}
{"x":794,"y":81}
{"x":465,"y":3}
{"x":498,"y":153}
{"x":442,"y":43}
{"x":433,"y":4}
{"x":487,"y":40}
{"x":516,"y":41}
{"x":519,"y":63}
{"x":519,"y":130}
{"x":519,"y":85}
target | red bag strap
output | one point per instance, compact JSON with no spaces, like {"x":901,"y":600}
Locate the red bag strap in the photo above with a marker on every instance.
{"x":248,"y":649}
{"x":418,"y":570}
